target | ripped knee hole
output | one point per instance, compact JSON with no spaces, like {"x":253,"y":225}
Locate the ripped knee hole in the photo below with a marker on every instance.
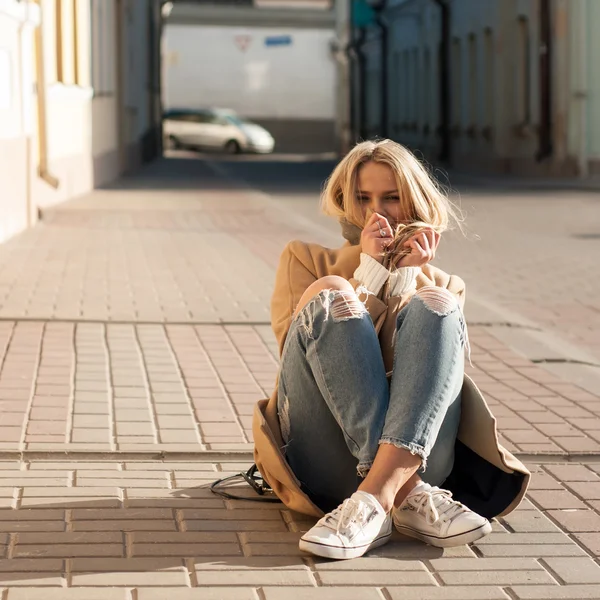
{"x":343,"y":305}
{"x":438,"y":300}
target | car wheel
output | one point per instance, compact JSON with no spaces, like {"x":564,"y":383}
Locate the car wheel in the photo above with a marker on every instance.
{"x":232,"y":147}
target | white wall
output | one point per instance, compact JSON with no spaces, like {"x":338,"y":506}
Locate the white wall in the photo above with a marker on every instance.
{"x":17,"y":21}
{"x":205,"y":66}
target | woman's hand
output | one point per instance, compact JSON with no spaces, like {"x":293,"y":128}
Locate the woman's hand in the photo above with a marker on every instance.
{"x":422,"y":249}
{"x":376,"y":236}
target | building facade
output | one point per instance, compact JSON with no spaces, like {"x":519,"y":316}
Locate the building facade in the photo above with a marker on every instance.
{"x":269,"y":62}
{"x":79,"y":99}
{"x":500,"y":86}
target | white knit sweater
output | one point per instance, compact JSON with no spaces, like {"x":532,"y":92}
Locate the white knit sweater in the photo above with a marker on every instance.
{"x":373,"y":275}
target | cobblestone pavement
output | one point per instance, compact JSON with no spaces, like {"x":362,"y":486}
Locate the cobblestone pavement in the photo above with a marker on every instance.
{"x":134,"y":324}
{"x":186,"y":388}
{"x":538,"y":253}
{"x":151,"y":530}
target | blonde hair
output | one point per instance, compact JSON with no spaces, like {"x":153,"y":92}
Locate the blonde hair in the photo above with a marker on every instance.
{"x":421,"y":198}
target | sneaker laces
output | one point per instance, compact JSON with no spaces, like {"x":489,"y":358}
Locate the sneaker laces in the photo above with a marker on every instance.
{"x":350,"y":512}
{"x":437,"y":504}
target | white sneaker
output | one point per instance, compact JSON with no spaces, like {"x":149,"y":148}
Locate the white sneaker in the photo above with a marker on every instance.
{"x":353,"y":528}
{"x":429,"y":514}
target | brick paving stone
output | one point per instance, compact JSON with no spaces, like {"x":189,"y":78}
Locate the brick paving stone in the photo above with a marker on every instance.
{"x":376,"y":578}
{"x":203,"y":593}
{"x":249,"y":563}
{"x":577,"y":521}
{"x":33,"y":565}
{"x":285,"y":549}
{"x":215,"y":514}
{"x":368,"y":563}
{"x":70,"y":537}
{"x":68,"y":501}
{"x":575,"y":570}
{"x":571,"y":473}
{"x":67,"y":550}
{"x":201,"y":549}
{"x":501,"y":578}
{"x":483,"y":564}
{"x":446,"y":593}
{"x":183,"y":537}
{"x":123,"y":565}
{"x":100,"y":593}
{"x":260,"y":578}
{"x":160,"y":578}
{"x":587,"y":490}
{"x":72,"y":492}
{"x":86,"y":514}
{"x":530,"y":522}
{"x":529,"y":550}
{"x":544,"y":592}
{"x":153,"y":525}
{"x":41,"y":579}
{"x":543,"y":481}
{"x":340,"y":593}
{"x":591,"y":541}
{"x":555,"y":499}
{"x":44,"y":514}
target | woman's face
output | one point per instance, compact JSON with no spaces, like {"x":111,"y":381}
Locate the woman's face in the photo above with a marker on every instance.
{"x":377,"y":191}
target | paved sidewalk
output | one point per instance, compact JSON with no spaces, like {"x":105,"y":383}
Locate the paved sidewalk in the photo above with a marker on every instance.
{"x":134,"y":342}
{"x":151,"y":530}
{"x":103,"y":387}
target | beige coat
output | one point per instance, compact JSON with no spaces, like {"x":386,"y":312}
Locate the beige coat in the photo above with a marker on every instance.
{"x":486,"y":477}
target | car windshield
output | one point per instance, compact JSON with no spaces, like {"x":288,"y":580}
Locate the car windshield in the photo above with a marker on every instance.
{"x":237,"y":120}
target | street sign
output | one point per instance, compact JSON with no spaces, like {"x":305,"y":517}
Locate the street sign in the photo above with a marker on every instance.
{"x":363,"y":14}
{"x":278,"y":40}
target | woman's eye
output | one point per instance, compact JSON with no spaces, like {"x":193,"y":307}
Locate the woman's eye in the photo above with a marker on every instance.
{"x":392,"y":199}
{"x":363,"y":199}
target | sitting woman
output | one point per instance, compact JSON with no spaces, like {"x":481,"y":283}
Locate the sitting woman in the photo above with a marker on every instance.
{"x":373,"y":410}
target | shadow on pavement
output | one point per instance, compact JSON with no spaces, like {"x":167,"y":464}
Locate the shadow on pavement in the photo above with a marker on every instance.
{"x":191,"y":529}
{"x":189,"y":171}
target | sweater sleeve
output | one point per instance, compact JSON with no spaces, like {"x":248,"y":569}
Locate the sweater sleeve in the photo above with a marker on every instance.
{"x":403,"y":280}
{"x":372,"y":275}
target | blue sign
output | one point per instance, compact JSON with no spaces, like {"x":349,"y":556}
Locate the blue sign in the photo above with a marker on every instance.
{"x":278,"y":40}
{"x":363,"y":14}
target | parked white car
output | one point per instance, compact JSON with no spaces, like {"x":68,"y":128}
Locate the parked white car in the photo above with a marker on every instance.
{"x":215,"y":130}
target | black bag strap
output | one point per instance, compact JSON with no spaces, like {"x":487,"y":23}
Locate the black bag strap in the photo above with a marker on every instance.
{"x":254,"y":479}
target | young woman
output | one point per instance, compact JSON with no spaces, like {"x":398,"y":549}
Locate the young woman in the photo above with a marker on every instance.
{"x":373,"y":410}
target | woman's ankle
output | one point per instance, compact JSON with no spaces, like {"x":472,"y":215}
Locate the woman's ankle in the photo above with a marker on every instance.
{"x":406,"y":489}
{"x":385,"y":498}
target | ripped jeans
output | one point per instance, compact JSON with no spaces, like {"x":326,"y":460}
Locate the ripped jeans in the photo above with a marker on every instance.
{"x":336,"y":405}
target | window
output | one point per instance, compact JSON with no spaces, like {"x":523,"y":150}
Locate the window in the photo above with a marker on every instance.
{"x":523,"y":73}
{"x":66,"y":39}
{"x":396,"y":91}
{"x":104,"y":41}
{"x":193,"y":117}
{"x":405,"y":90}
{"x":489,"y":73}
{"x":457,"y":103}
{"x":427,"y":95}
{"x":414,"y":87}
{"x":473,"y":104}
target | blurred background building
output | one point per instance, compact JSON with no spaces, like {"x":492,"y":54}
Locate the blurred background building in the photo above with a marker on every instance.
{"x":501,"y":86}
{"x":268,"y":60}
{"x":488,"y":86}
{"x":79,"y":99}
